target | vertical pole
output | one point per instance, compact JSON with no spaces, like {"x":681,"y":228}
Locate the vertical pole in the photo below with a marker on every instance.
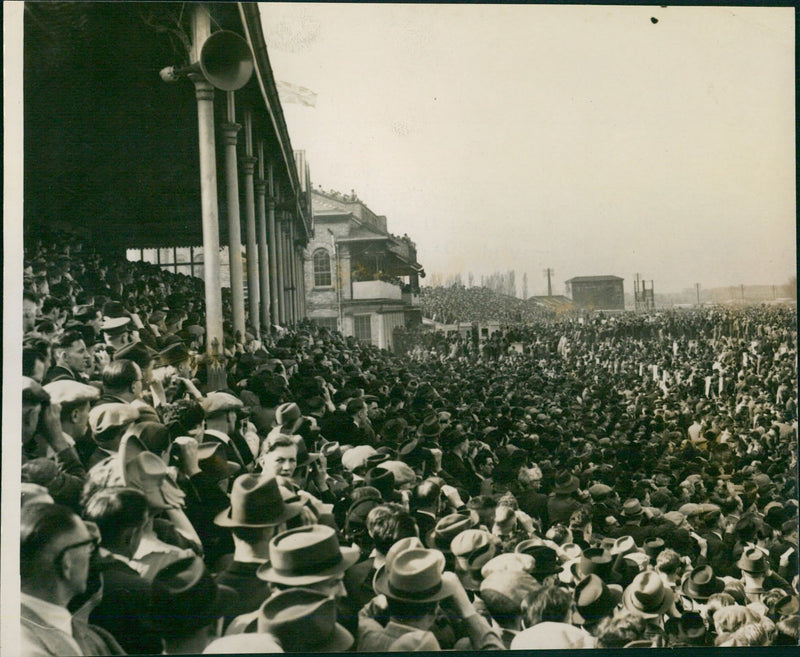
{"x":273,"y":263}
{"x":230,"y":131}
{"x":697,"y":288}
{"x":248,"y":163}
{"x":263,"y":255}
{"x":204,"y":92}
{"x":292,"y":272}
{"x":281,"y":279}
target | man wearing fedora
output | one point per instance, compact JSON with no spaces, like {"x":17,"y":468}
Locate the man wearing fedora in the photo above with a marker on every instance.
{"x":308,"y":557}
{"x":415,"y":583}
{"x":256,"y":510}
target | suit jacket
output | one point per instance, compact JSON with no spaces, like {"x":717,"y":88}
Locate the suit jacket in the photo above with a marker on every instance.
{"x":126,"y":596}
{"x":40,"y":639}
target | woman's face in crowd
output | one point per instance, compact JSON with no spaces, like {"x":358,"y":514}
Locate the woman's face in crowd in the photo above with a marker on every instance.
{"x":281,"y":461}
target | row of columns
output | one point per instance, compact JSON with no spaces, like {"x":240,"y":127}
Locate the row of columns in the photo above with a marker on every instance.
{"x":274,"y":259}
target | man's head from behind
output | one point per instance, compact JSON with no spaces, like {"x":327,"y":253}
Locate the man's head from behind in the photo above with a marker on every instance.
{"x":121,"y":514}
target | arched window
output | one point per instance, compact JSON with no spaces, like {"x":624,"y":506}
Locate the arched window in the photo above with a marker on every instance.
{"x":322,"y":268}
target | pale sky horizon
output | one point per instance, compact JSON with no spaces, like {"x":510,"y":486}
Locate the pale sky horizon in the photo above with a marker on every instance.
{"x":587,"y":139}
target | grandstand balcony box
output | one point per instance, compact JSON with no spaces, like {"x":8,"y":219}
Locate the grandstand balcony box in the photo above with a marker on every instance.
{"x":359,"y":278}
{"x":597,"y":292}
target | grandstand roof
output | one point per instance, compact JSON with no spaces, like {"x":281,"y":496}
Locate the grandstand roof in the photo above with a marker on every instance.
{"x":111,"y":150}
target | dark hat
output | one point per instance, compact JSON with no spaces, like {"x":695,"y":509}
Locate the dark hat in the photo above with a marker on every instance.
{"x":287,"y":414}
{"x":174,"y":353}
{"x":788,"y":605}
{"x":381,"y":479}
{"x":653,"y":547}
{"x":393,"y":429}
{"x":594,"y":599}
{"x":701,"y":583}
{"x":138,"y":352}
{"x":687,"y":630}
{"x":306,"y":555}
{"x":256,"y":501}
{"x":303,"y":620}
{"x":430,"y":427}
{"x":414,"y":575}
{"x":374,"y":460}
{"x":593,"y":561}
{"x":449,"y":527}
{"x":545,"y":558}
{"x":211,"y":457}
{"x":184,"y":598}
{"x":647,"y":595}
{"x":359,"y":510}
{"x":752,"y":561}
{"x":565,"y":483}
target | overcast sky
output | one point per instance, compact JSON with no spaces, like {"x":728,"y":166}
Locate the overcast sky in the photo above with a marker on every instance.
{"x":587,"y":139}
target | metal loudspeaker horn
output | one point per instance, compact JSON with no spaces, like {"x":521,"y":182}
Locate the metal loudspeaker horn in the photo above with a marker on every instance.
{"x":225,"y":61}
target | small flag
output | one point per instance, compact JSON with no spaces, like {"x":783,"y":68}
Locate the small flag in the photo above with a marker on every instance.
{"x":292,"y":93}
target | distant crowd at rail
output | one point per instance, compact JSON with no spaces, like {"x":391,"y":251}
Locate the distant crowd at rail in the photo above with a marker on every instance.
{"x":596,"y":482}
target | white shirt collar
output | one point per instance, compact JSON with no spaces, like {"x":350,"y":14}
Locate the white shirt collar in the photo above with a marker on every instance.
{"x":55,"y":615}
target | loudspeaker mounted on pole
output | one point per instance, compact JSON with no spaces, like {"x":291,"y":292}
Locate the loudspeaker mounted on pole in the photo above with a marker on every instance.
{"x":225,"y":61}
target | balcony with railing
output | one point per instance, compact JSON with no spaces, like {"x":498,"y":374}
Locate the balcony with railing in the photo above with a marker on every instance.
{"x":364,"y":290}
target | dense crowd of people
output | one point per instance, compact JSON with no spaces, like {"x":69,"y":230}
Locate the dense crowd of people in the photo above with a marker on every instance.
{"x":456,"y":303}
{"x":604,"y":482}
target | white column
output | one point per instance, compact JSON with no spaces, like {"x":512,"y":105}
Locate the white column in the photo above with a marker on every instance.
{"x":230,"y":131}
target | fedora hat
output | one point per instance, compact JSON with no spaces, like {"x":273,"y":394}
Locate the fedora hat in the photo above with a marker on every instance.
{"x":473,"y":548}
{"x":622,"y":546}
{"x":374,"y":460}
{"x":593,"y":561}
{"x":632,"y":508}
{"x":143,"y":470}
{"x":647,"y":595}
{"x":108,"y":416}
{"x":306,"y":555}
{"x":546,"y":561}
{"x":303,"y":620}
{"x":430,"y":427}
{"x":288,"y":414}
{"x":381,"y":479}
{"x":687,"y":630}
{"x":172,"y":354}
{"x":442,"y":535}
{"x":653,"y":547}
{"x":508,"y":562}
{"x":565,"y":483}
{"x":752,"y":561}
{"x":184,"y":596}
{"x":701,"y":583}
{"x":212,"y":461}
{"x":256,"y":501}
{"x":594,"y":599}
{"x":414,"y":575}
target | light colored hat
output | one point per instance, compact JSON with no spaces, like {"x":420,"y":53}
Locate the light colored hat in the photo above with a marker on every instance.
{"x":508,"y":562}
{"x":254,"y":643}
{"x":107,"y":416}
{"x":70,"y":392}
{"x":403,"y":473}
{"x":115,"y":324}
{"x":552,"y":636}
{"x":356,"y":457}
{"x":218,"y":402}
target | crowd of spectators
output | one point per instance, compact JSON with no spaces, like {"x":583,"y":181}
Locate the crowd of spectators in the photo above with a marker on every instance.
{"x":456,"y":303}
{"x":605,"y":482}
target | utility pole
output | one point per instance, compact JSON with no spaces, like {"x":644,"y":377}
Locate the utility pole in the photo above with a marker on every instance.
{"x":549,"y":272}
{"x":697,"y":287}
{"x":742,"y":288}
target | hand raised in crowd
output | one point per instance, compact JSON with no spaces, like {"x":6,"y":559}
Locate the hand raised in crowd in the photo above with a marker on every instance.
{"x":186,"y":448}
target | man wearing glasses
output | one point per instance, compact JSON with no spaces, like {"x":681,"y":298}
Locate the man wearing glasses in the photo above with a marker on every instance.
{"x":55,"y":549}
